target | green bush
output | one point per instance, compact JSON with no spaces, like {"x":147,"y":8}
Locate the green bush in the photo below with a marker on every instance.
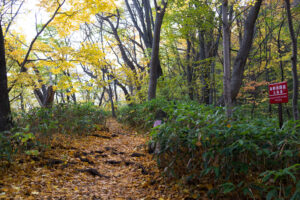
{"x":243,"y":156}
{"x":34,"y":129}
{"x":141,"y":115}
{"x":63,"y":118}
{"x":6,"y":149}
{"x":17,"y":140}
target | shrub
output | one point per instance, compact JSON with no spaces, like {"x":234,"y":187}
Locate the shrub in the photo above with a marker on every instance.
{"x":244,"y":157}
{"x":142,"y":115}
{"x":6,"y":149}
{"x":63,"y":118}
{"x":34,"y":129}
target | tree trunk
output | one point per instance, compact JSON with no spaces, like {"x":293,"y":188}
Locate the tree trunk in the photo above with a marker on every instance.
{"x":74,"y":98}
{"x":126,"y":93}
{"x":62,"y":97}
{"x":242,"y":55}
{"x":155,"y":62}
{"x":111,"y":99}
{"x":212,"y":91}
{"x":115,"y":90}
{"x":294,"y":61}
{"x":144,"y":28}
{"x":22,"y":102}
{"x":205,"y":71}
{"x":226,"y":54}
{"x":46,"y":98}
{"x":5,"y":113}
{"x":101,"y":97}
{"x":189,"y":71}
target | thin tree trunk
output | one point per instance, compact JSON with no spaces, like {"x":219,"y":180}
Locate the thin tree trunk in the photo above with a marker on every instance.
{"x":62,"y":97}
{"x":110,"y":92}
{"x":294,"y":61}
{"x":189,"y":71}
{"x":74,"y":98}
{"x":101,"y":97}
{"x":205,"y":71}
{"x":226,"y":54}
{"x":22,"y":102}
{"x":115,"y":89}
{"x":212,"y":95}
{"x":155,"y":62}
{"x":5,"y":113}
{"x":126,"y":93}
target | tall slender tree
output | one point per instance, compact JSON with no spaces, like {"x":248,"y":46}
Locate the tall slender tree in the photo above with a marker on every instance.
{"x":294,"y":61}
{"x":5,"y":113}
{"x":226,"y":55}
{"x":155,"y":62}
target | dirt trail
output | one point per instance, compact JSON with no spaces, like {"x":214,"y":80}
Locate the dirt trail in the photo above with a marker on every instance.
{"x":110,"y":164}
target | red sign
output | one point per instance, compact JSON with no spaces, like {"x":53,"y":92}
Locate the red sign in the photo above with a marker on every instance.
{"x":278,"y":93}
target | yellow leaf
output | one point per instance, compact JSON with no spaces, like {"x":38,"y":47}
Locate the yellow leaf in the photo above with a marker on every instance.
{"x":35,"y":193}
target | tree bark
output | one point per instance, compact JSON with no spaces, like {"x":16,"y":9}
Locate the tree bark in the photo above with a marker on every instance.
{"x":226,"y":64}
{"x":205,"y":71}
{"x":46,"y":98}
{"x":242,"y":55}
{"x":294,"y":61}
{"x":5,"y":113}
{"x":212,"y":92}
{"x":101,"y":97}
{"x":155,"y":62}
{"x":115,"y":90}
{"x":111,"y":99}
{"x":126,"y":93}
{"x":189,"y":71}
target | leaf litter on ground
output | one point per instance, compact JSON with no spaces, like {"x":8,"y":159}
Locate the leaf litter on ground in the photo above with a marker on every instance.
{"x":89,"y":167}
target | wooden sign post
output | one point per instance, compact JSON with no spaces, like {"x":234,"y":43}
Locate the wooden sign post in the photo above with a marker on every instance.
{"x":278,"y":94}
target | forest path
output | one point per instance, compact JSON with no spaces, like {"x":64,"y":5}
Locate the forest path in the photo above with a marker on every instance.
{"x":110,"y":164}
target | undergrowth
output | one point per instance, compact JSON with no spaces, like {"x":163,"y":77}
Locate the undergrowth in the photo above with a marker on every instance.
{"x":141,"y":116}
{"x":33,"y":130}
{"x":243,"y":157}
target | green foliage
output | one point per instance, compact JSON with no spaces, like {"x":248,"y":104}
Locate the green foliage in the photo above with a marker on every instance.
{"x":141,"y":115}
{"x":168,"y":88}
{"x":63,"y":118}
{"x":6,"y":149}
{"x":32,"y":129}
{"x":245,"y":156}
{"x":17,"y":140}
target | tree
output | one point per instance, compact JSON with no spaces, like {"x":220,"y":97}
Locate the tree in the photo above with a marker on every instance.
{"x":294,"y":61}
{"x":155,"y":62}
{"x":242,"y":55}
{"x":5,"y":112}
{"x":124,"y":52}
{"x":226,"y":62}
{"x":144,"y":24}
{"x":45,"y":95}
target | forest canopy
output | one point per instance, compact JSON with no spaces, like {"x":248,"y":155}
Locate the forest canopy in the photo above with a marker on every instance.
{"x":94,"y":51}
